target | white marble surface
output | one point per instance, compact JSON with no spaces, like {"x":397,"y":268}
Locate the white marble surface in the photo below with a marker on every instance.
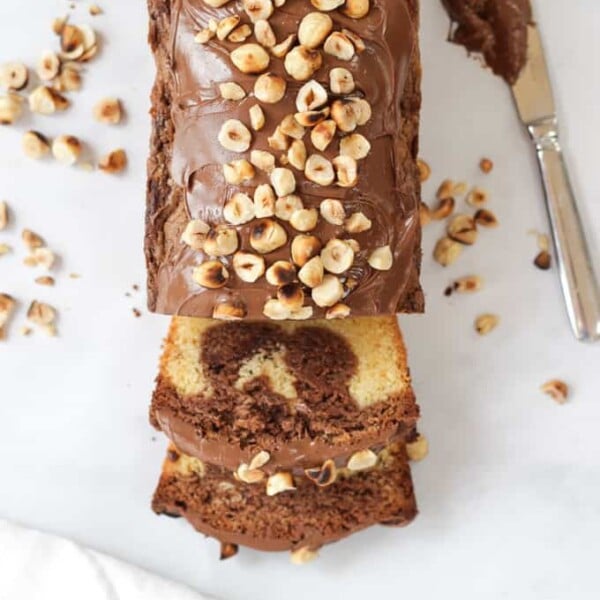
{"x":510,"y":495}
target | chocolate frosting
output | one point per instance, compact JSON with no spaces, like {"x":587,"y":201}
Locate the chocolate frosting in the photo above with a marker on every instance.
{"x":387,"y":189}
{"x":495,"y":28}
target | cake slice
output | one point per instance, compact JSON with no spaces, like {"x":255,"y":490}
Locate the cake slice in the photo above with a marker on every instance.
{"x":300,"y":516}
{"x":266,"y":155}
{"x":303,"y":393}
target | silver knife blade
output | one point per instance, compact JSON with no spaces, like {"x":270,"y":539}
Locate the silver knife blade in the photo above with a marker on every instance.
{"x":533,"y":91}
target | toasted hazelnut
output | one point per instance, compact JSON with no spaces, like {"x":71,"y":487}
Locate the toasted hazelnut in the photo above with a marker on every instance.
{"x":108,"y":111}
{"x":358,"y":223}
{"x":270,"y":88}
{"x":264,"y":201}
{"x":240,"y":34}
{"x":239,"y":209}
{"x":238,"y":171}
{"x":445,"y":190}
{"x":358,"y":42}
{"x":267,"y":235}
{"x":418,"y":449}
{"x":221,"y":241}
{"x":231,"y":91}
{"x":66,"y":149}
{"x":356,"y":9}
{"x":3,"y":215}
{"x":31,"y":239}
{"x":362,"y":110}
{"x":46,"y":101}
{"x":424,"y":214}
{"x":305,"y":219}
{"x":248,"y":267}
{"x":312,"y":273}
{"x":486,"y":165}
{"x":229,"y":311}
{"x":322,"y":134}
{"x":281,"y":49}
{"x":424,"y":170}
{"x":543,"y":260}
{"x":250,"y":58}
{"x":275,"y":310}
{"x":257,"y":117}
{"x":195,"y":233}
{"x":35,"y":145}
{"x":258,"y":9}
{"x":324,"y":475}
{"x":72,"y":42}
{"x":204,"y":36}
{"x":339,"y":311}
{"x":301,"y":63}
{"x":477,"y":197}
{"x":341,"y":81}
{"x":333,"y":211}
{"x":319,"y":170}
{"x":355,"y":145}
{"x":303,"y":556}
{"x":69,"y":79}
{"x":281,"y":273}
{"x":444,"y":209}
{"x":280,"y":482}
{"x":344,"y":114}
{"x":48,"y":66}
{"x":290,"y":127}
{"x":337,"y":256}
{"x":262,"y":160}
{"x":264,"y":33}
{"x":329,"y":292}
{"x":327,"y":5}
{"x":486,"y":323}
{"x":286,"y":206}
{"x":279,"y":141}
{"x":259,"y":460}
{"x":114,"y":162}
{"x":339,"y":46}
{"x":556,"y":389}
{"x":235,"y":136}
{"x":283,"y":181}
{"x":346,"y":171}
{"x":311,"y":118}
{"x":362,"y":460}
{"x":7,"y":307}
{"x":296,"y":155}
{"x":462,"y":229}
{"x":41,"y":257}
{"x":247,"y":475}
{"x":211,"y":274}
{"x":304,"y":247}
{"x":226,"y":25}
{"x":485,"y":218}
{"x":228,"y":550}
{"x":447,"y":251}
{"x":11,"y":108}
{"x":41,"y":313}
{"x":14,"y":76}
{"x":291,"y":296}
{"x":311,"y":96}
{"x":381,"y":259}
{"x":314,"y":29}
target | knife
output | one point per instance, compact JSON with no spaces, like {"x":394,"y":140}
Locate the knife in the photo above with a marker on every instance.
{"x":535,"y":103}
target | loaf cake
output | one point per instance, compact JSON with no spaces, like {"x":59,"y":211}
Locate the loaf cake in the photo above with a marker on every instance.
{"x":282,"y":177}
{"x":281,"y":512}
{"x":496,"y":29}
{"x":302,"y":392}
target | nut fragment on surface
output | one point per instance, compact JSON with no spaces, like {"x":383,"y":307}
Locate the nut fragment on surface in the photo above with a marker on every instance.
{"x":48,"y":66}
{"x":477,"y":197}
{"x":281,"y":49}
{"x":234,"y":136}
{"x":35,"y":145}
{"x":311,"y":96}
{"x":238,"y":171}
{"x":344,"y":114}
{"x":485,"y":218}
{"x":319,"y":170}
{"x":443,"y":210}
{"x":31,"y":239}
{"x":341,"y":81}
{"x":556,"y":389}
{"x":228,"y":550}
{"x":418,"y":449}
{"x":304,"y":219}
{"x":114,"y":162}
{"x":543,"y":260}
{"x":356,"y":9}
{"x":280,"y":273}
{"x":195,"y":233}
{"x":229,"y":311}
{"x":322,"y":134}
{"x":7,"y":307}
{"x":327,"y":5}
{"x":40,"y":257}
{"x":259,"y":460}
{"x":339,"y":311}
{"x":221,"y":241}
{"x":41,"y":313}
{"x":257,"y":117}
{"x":329,"y":292}
{"x":66,"y":149}
{"x":264,"y":201}
{"x":286,"y":206}
{"x":45,"y":280}
{"x":355,"y":145}
{"x":250,"y":58}
{"x":465,"y":285}
{"x":3,"y":214}
{"x":231,"y":91}
{"x":337,"y":256}
{"x":283,"y":181}
{"x":211,"y":274}
{"x":312,"y":273}
{"x":264,"y":33}
{"x":247,"y":475}
{"x":45,"y":100}
{"x":462,"y":229}
{"x":358,"y":223}
{"x":291,"y":296}
{"x":296,"y":155}
{"x":304,"y":247}
{"x":258,"y":9}
{"x":333,"y":211}
{"x":381,"y":259}
{"x":267,"y":236}
{"x":486,"y":323}
{"x":240,"y":34}
{"x":276,"y":311}
{"x":303,"y":556}
{"x":270,"y":88}
{"x":204,"y":36}
{"x":362,"y":460}
{"x":14,"y":76}
{"x":346,"y":171}
{"x":324,"y":475}
{"x":11,"y":108}
{"x":486,"y":165}
{"x":262,"y":160}
{"x":424,"y":170}
{"x":248,"y":267}
{"x":339,"y":46}
{"x":447,"y":251}
{"x":314,"y":29}
{"x":226,"y":25}
{"x":239,"y":209}
{"x":301,"y":63}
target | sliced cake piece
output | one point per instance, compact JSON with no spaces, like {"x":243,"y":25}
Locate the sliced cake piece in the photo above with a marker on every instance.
{"x":303,"y":393}
{"x":283,"y":512}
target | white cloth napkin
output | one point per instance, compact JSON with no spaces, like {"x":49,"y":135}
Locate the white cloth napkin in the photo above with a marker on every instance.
{"x":37,"y":566}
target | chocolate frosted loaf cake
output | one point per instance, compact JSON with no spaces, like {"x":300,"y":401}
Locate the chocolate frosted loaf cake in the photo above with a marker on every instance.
{"x":282,"y":512}
{"x":282,"y":176}
{"x":497,"y":29}
{"x":304,"y":393}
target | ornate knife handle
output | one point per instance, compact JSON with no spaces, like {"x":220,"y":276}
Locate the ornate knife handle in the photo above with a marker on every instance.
{"x":579,"y":283}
